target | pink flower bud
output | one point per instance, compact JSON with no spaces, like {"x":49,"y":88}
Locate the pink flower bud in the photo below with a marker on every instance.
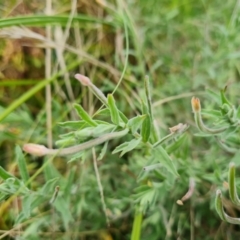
{"x":83,"y":79}
{"x":35,"y":149}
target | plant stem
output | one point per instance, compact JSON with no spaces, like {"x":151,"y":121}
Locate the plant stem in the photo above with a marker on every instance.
{"x":136,"y":230}
{"x":40,"y":150}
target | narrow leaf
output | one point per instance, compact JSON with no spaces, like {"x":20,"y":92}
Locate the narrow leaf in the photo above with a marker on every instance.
{"x":147,"y":124}
{"x":113,"y":110}
{"x":176,"y":145}
{"x":22,"y":164}
{"x":84,"y":115}
{"x":70,"y":182}
{"x":72,"y":124}
{"x":224,"y":98}
{"x":26,"y":205}
{"x":148,"y":96}
{"x":161,"y":154}
{"x":84,"y":133}
{"x":135,"y":123}
{"x":104,"y":112}
{"x":127,"y":146}
{"x":123,"y":117}
{"x":78,"y":156}
{"x":66,"y":142}
{"x":4,"y":174}
{"x":95,"y":131}
{"x":102,"y":129}
{"x":49,"y":186}
{"x":232,"y":185}
{"x":62,"y":206}
{"x":103,"y":151}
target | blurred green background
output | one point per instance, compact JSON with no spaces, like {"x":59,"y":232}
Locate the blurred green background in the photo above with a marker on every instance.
{"x":187,"y":48}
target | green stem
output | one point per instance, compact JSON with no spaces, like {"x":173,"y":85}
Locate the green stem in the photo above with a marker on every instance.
{"x":136,"y":230}
{"x":40,"y":150}
{"x":149,"y":103}
{"x":203,"y":128}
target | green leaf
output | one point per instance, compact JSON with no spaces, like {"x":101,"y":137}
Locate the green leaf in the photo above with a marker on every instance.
{"x":152,"y":167}
{"x":104,"y":112}
{"x":4,"y":174}
{"x":123,"y":117}
{"x":72,"y":124}
{"x":80,"y":155}
{"x":146,"y":195}
{"x":103,"y":151}
{"x":147,"y":123}
{"x":84,"y":133}
{"x":135,"y":123}
{"x":62,"y":206}
{"x":102,"y":129}
{"x":94,"y":131}
{"x":49,"y":186}
{"x":84,"y":115}
{"x":22,"y":164}
{"x":26,"y":205}
{"x":232,"y":185}
{"x":67,"y":135}
{"x":102,"y":122}
{"x":113,"y":110}
{"x":224,"y":98}
{"x":202,"y":134}
{"x":70,"y":182}
{"x":127,"y":146}
{"x":66,"y":142}
{"x":148,"y":96}
{"x":176,"y":145}
{"x":211,"y":113}
{"x":50,"y":172}
{"x":214,"y":96}
{"x":161,"y":154}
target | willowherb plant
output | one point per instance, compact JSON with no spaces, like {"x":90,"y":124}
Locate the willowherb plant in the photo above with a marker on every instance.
{"x":90,"y":132}
{"x":140,"y":127}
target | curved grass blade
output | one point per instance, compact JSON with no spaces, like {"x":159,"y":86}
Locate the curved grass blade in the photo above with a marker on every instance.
{"x":43,"y":20}
{"x":34,"y":90}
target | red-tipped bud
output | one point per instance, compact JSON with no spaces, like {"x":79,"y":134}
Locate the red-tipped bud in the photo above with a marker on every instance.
{"x":196,"y":105}
{"x":35,"y":149}
{"x":83,"y":79}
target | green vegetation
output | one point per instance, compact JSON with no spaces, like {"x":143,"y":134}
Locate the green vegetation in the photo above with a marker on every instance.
{"x":132,"y":158}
